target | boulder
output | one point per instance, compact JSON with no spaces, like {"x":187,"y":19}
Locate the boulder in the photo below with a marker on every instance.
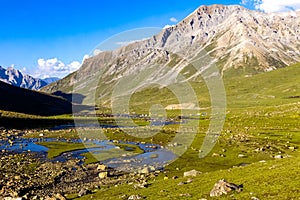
{"x":83,"y":192}
{"x":134,"y":197}
{"x":101,"y":167}
{"x":103,"y":175}
{"x":191,"y":173}
{"x":223,"y":187}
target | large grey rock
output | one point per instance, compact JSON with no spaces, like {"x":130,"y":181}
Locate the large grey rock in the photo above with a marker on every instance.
{"x":191,"y":173}
{"x":134,"y":197}
{"x":224,"y":187}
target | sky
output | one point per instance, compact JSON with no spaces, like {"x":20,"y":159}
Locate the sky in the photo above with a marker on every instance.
{"x":47,"y":38}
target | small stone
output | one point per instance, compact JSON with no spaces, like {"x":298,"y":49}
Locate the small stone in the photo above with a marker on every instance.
{"x":242,"y":156}
{"x":181,"y":183}
{"x":166,"y":178}
{"x":292,"y":148}
{"x":189,"y":180}
{"x":185,"y":195}
{"x":103,"y":175}
{"x":134,"y":197}
{"x":145,"y":170}
{"x":254,"y":198}
{"x":101,"y":167}
{"x":154,"y":155}
{"x":215,"y":155}
{"x":191,"y":173}
{"x":175,"y":177}
{"x":83,"y":192}
{"x":141,"y":185}
{"x":278,"y":157}
{"x":41,"y":135}
{"x":50,"y":198}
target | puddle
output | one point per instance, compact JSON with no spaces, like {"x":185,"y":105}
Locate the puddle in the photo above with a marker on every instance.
{"x":153,"y":154}
{"x":152,"y":124}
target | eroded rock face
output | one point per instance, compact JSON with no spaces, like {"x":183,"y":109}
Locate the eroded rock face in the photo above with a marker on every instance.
{"x":224,"y":187}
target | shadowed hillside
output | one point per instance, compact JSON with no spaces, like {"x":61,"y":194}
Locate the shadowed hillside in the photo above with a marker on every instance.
{"x":30,"y":102}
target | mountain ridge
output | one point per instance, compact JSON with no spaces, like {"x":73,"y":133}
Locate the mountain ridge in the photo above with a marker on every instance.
{"x":233,"y":37}
{"x":15,"y":77}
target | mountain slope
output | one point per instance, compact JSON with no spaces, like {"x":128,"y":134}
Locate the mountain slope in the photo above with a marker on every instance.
{"x":31,"y":102}
{"x":50,"y":79}
{"x":15,"y":77}
{"x":231,"y":37}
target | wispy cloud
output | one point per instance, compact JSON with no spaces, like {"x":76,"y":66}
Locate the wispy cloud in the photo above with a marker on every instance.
{"x":173,"y":19}
{"x":273,"y":5}
{"x":55,"y":68}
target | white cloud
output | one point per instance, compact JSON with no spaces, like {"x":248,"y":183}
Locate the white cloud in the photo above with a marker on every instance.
{"x":273,"y":5}
{"x":55,"y":68}
{"x":173,"y":19}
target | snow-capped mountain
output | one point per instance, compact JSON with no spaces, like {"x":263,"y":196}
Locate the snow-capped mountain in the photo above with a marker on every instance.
{"x":15,"y":77}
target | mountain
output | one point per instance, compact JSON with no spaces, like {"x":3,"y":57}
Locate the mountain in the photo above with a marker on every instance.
{"x":15,"y":77}
{"x":27,"y":101}
{"x":236,"y":40}
{"x":50,"y":80}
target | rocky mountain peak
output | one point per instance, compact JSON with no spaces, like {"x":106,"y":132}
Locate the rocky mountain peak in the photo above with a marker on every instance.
{"x":233,"y":37}
{"x":239,"y":35}
{"x":15,"y":77}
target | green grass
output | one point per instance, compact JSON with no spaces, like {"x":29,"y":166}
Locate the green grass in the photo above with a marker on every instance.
{"x":276,"y":179}
{"x":260,"y":110}
{"x":263,"y":112}
{"x":57,"y":148}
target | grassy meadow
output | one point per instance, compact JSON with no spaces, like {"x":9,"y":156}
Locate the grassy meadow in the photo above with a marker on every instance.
{"x":262,"y":121}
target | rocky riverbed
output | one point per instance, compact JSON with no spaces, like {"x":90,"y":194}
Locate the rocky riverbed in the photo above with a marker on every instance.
{"x":31,"y":175}
{"x":25,"y":175}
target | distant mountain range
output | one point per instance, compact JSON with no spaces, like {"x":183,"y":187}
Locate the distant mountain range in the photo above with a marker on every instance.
{"x":15,"y":77}
{"x":50,"y":80}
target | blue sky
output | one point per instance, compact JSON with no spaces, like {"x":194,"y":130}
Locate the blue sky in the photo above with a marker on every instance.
{"x":66,"y":30}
